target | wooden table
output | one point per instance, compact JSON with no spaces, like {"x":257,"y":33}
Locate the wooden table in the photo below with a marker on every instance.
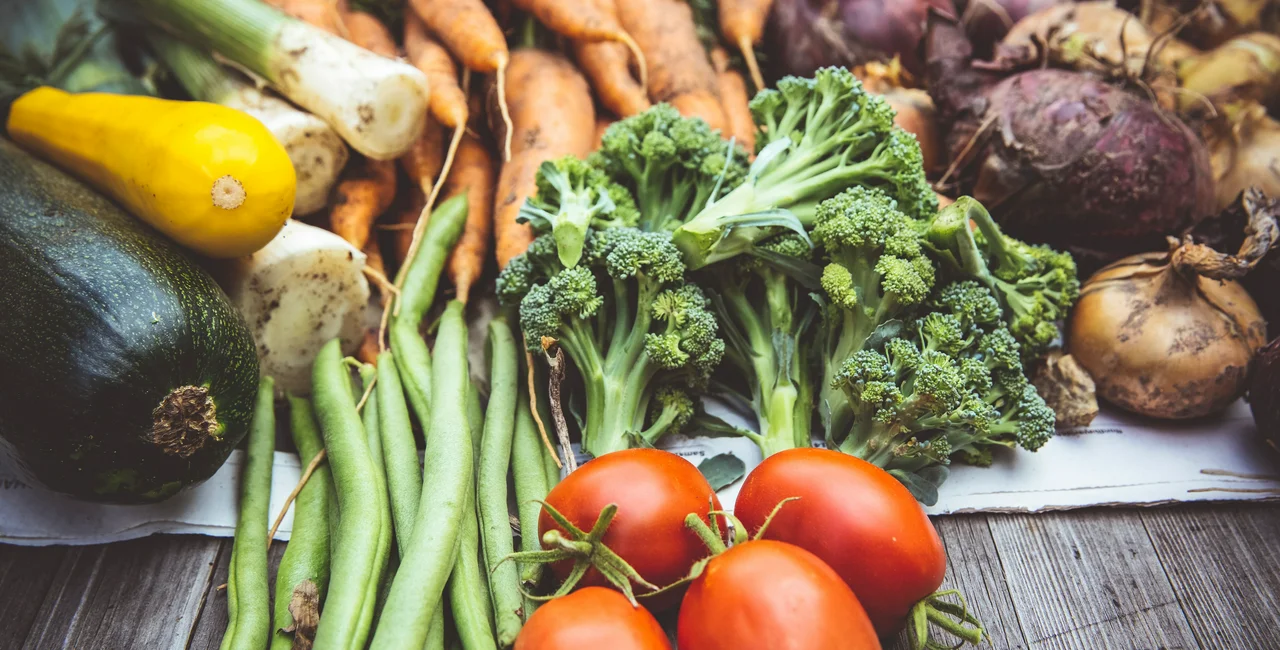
{"x":1202,"y":576}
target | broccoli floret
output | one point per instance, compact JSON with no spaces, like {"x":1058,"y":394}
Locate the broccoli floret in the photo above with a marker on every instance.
{"x":768,"y":319}
{"x":1035,"y":285}
{"x":876,"y":273}
{"x":671,"y":163}
{"x":538,"y":263}
{"x":818,"y":136}
{"x":572,"y":197}
{"x":670,"y":411}
{"x":631,"y":325}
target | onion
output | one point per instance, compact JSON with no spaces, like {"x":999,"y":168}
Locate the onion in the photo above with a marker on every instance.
{"x":1086,"y":34}
{"x":810,"y":34}
{"x":1210,"y":24}
{"x":1172,"y":335}
{"x":914,"y":109}
{"x":987,"y":21}
{"x":1064,"y":158}
{"x":1245,"y":68}
{"x":1245,"y":153}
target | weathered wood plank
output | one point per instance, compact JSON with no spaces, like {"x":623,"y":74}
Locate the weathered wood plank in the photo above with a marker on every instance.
{"x":139,"y":594}
{"x":1089,"y":580}
{"x":1224,"y":565}
{"x":974,"y":568}
{"x":212,"y":621}
{"x":25,"y":577}
{"x":73,"y":580}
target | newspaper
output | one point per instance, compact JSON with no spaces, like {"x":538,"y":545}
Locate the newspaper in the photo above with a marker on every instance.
{"x":1118,"y":460}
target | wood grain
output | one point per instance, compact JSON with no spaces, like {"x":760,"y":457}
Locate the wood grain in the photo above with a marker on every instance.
{"x":1089,"y":580}
{"x":26,"y":574}
{"x":1222,"y":563}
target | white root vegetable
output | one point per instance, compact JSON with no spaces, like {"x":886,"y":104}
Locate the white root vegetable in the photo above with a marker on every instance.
{"x":375,"y":103}
{"x":299,"y":292}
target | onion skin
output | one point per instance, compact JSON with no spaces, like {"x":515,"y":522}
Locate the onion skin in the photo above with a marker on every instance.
{"x":1245,"y":153}
{"x":1164,"y":343}
{"x":1264,"y":395}
{"x":987,"y":21}
{"x":809,"y":34}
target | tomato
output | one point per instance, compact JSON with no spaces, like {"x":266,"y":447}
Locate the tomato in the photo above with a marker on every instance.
{"x":654,"y":491}
{"x":772,"y":596}
{"x":858,"y":519}
{"x":593,"y":617}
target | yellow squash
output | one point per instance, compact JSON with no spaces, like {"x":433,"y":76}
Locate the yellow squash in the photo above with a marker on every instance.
{"x":212,"y":178}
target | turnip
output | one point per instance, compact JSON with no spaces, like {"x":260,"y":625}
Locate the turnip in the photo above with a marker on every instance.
{"x":1172,"y":335}
{"x":1066,"y":158}
{"x":810,"y":34}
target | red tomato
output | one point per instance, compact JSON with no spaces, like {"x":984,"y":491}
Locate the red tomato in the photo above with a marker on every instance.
{"x":772,"y":596}
{"x":594,"y":617}
{"x":654,"y":491}
{"x":858,"y":519}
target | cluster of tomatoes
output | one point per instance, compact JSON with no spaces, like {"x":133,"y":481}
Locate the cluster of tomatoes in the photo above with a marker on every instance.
{"x":836,"y":553}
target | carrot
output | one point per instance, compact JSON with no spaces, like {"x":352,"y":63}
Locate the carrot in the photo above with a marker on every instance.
{"x":473,"y":174}
{"x":368,"y":350}
{"x":603,"y":122}
{"x":425,"y":158}
{"x":679,"y":72}
{"x":607,"y":65}
{"x":550,"y":108}
{"x":742,"y":22}
{"x":736,"y":101}
{"x":361,"y":198}
{"x":324,"y":14}
{"x":448,"y":102}
{"x":403,"y":222}
{"x":587,"y":21}
{"x":469,"y":31}
{"x":369,"y":32}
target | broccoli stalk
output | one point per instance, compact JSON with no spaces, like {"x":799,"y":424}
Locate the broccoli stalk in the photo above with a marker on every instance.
{"x":1036,"y":284}
{"x":634,"y":330}
{"x":767,"y":318}
{"x":818,"y":137}
{"x":877,"y":272}
{"x":572,"y":196}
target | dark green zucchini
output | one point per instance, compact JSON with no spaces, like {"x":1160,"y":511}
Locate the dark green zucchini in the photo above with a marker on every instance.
{"x":125,"y":373}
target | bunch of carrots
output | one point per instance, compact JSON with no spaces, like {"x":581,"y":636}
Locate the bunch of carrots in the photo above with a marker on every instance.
{"x":511,"y":87}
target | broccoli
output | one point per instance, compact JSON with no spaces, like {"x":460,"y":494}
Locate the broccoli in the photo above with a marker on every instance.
{"x":1036,"y":285}
{"x":817,"y":137}
{"x":877,"y":273}
{"x":768,"y":319}
{"x":572,"y":196}
{"x":951,"y":385}
{"x":634,"y":329}
{"x":671,"y":163}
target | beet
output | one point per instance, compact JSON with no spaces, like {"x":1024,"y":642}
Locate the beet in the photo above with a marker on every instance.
{"x":810,"y":34}
{"x":1065,"y":158}
{"x":1264,"y":395}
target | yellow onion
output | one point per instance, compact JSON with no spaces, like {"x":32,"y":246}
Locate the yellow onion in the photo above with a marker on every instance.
{"x":1172,"y":335}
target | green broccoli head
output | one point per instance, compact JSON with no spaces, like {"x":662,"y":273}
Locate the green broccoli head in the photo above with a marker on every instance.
{"x":689,"y":347}
{"x":538,"y":263}
{"x":572,"y":197}
{"x":670,"y":411}
{"x":559,"y":307}
{"x":671,"y":163}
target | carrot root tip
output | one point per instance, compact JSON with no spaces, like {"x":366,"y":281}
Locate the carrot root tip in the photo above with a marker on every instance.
{"x":749,"y":53}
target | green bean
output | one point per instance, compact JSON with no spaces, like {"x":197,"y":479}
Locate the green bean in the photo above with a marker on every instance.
{"x":371,"y":431}
{"x":307,"y":555}
{"x":491,"y":485}
{"x":248,"y":597}
{"x":435,"y":633}
{"x":419,"y":584}
{"x":418,"y":283}
{"x":528,"y":469}
{"x":355,"y":545}
{"x":399,"y":450}
{"x":468,"y":589}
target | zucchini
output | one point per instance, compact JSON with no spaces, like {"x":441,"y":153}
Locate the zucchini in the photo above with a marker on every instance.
{"x":125,"y":373}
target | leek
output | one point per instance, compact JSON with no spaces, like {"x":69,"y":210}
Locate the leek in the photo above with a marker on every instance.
{"x":317,"y":152}
{"x":378,"y":105}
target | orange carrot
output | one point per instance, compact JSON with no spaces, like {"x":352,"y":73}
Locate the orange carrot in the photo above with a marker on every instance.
{"x":403,"y":222}
{"x":588,"y":21}
{"x":679,"y":72}
{"x":361,"y":197}
{"x":742,"y":22}
{"x":369,"y":32}
{"x":550,"y":108}
{"x":448,"y":102}
{"x":469,"y":31}
{"x":736,"y":101}
{"x":603,"y":122}
{"x":607,"y":65}
{"x":323,"y":14}
{"x":473,"y":173}
{"x":369,"y":348}
{"x":425,"y":158}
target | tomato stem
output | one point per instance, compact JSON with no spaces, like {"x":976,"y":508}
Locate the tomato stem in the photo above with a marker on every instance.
{"x":955,"y":618}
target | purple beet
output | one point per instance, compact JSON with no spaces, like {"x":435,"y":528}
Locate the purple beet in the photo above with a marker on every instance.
{"x":809,"y":34}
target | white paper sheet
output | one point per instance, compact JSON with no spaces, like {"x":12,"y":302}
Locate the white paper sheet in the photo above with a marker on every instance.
{"x":1118,"y":460}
